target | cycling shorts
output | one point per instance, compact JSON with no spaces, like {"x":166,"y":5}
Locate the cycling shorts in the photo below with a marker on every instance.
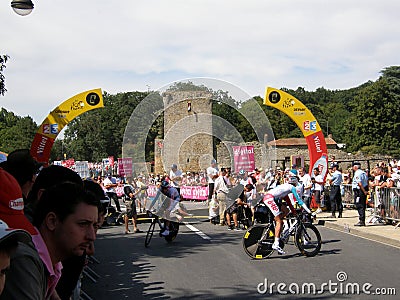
{"x":269,"y":200}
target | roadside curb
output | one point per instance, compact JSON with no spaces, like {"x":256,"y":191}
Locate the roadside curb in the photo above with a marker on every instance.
{"x":350,"y":229}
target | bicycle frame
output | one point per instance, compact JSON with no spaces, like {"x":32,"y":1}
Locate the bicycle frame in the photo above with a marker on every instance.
{"x":174,"y":228}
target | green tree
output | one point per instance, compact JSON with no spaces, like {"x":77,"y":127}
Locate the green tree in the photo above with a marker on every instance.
{"x":374,"y":124}
{"x":16,"y":132}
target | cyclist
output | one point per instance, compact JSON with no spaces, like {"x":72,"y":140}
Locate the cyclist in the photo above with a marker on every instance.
{"x":273,"y":200}
{"x":169,"y":205}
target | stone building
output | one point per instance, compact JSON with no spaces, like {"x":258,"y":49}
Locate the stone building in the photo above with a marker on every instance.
{"x":188,"y":140}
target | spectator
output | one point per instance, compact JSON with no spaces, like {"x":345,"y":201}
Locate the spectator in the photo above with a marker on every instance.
{"x":131,"y":212}
{"x":305,"y":179}
{"x":110,"y":184}
{"x":12,"y":204}
{"x":73,"y":266}
{"x":23,"y":167}
{"x":232,"y":211}
{"x":11,"y":211}
{"x":221,"y":190}
{"x":175,"y":177}
{"x":48,"y":177}
{"x":212,"y":174}
{"x":142,"y":195}
{"x":9,"y":239}
{"x":34,"y":273}
{"x":318,"y":183}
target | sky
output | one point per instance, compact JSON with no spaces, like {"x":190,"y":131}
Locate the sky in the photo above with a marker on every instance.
{"x":66,"y":47}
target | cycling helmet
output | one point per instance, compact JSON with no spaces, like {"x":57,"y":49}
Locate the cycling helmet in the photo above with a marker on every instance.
{"x":164,"y":184}
{"x":241,"y":172}
{"x":293,"y":180}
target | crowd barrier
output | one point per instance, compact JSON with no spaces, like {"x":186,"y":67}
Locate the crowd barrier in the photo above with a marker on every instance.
{"x":386,"y":203}
{"x":347,"y":196}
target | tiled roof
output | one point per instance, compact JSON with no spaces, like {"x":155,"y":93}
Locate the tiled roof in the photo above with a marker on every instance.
{"x":296,"y":142}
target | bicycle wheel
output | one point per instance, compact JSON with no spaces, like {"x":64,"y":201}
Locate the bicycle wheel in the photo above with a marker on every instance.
{"x":308,"y":239}
{"x":150,"y":232}
{"x":169,"y":238}
{"x":258,"y":240}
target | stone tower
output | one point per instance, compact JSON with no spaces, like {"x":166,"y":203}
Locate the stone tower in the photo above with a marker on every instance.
{"x":188,"y":134}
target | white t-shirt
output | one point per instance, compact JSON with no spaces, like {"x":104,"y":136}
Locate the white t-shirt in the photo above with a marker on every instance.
{"x":106,"y":182}
{"x":317,"y":186}
{"x":306,"y":180}
{"x":211,"y":172}
{"x":172,"y":174}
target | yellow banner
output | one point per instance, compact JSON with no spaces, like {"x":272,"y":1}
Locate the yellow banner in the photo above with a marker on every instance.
{"x":70,"y":109}
{"x":59,"y":118}
{"x":294,"y":108}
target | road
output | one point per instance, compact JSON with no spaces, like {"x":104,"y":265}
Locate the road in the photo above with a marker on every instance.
{"x":211,"y":264}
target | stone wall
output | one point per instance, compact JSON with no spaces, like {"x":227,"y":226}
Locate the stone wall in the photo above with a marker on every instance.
{"x":282,"y":154}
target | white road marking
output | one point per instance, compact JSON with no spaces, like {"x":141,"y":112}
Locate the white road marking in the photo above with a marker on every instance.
{"x":198,"y":232}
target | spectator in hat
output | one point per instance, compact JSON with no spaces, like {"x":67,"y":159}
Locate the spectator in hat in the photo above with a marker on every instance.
{"x":9,"y":239}
{"x":35,"y":267}
{"x":12,"y":213}
{"x":12,"y":204}
{"x":23,"y":167}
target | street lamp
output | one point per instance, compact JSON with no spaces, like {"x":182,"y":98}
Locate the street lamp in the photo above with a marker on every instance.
{"x":22,"y":7}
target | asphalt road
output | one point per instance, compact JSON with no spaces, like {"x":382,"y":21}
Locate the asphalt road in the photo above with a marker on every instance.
{"x":211,"y":264}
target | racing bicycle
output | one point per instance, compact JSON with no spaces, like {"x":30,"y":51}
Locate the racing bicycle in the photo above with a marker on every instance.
{"x":258,"y":239}
{"x":173,"y":229}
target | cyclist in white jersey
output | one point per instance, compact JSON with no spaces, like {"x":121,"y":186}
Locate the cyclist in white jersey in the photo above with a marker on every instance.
{"x":272,"y":199}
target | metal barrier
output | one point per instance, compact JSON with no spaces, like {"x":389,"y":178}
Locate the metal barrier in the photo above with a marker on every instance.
{"x":347,"y":196}
{"x":386,"y":203}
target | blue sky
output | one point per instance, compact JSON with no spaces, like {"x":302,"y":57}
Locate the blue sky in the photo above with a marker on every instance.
{"x":66,"y":47}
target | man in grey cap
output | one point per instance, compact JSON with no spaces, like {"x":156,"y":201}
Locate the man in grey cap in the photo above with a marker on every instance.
{"x":360,"y":191}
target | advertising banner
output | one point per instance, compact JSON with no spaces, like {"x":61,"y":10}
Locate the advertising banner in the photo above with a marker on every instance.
{"x":125,"y":167}
{"x":82,"y":168}
{"x":243,"y":158}
{"x":307,"y":123}
{"x":59,"y":118}
{"x":187,"y":192}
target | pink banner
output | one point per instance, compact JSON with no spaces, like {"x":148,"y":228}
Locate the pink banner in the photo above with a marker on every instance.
{"x":194,"y":192}
{"x":187,"y":192}
{"x":125,"y":166}
{"x":243,"y":158}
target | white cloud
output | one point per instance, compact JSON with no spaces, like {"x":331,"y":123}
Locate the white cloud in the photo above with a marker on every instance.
{"x":66,"y":47}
